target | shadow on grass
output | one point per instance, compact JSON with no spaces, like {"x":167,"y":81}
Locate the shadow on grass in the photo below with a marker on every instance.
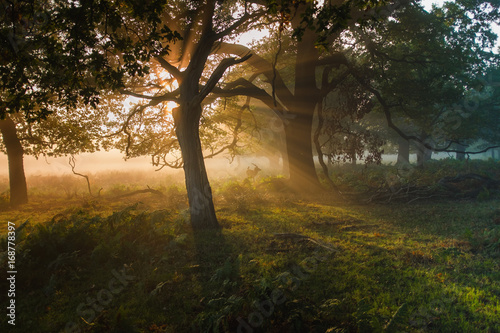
{"x":212,"y":250}
{"x":186,"y":281}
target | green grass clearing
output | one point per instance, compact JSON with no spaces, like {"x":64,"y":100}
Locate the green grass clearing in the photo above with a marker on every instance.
{"x":423,"y":267}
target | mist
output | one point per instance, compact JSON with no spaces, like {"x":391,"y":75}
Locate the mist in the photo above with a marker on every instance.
{"x":298,"y":166}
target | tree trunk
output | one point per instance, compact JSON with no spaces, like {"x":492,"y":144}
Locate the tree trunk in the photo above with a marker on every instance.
{"x":423,"y":155}
{"x":187,"y":126}
{"x":274,"y":161}
{"x":285,"y":163}
{"x":300,"y":154}
{"x":354,"y":157}
{"x":461,"y":152}
{"x":403,"y":151}
{"x":317,"y":144}
{"x":299,"y":127}
{"x":427,"y":155}
{"x":199,"y":193}
{"x":15,"y":155}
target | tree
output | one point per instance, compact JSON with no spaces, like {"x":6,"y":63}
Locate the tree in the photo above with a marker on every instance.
{"x":64,"y":53}
{"x":63,"y":132}
{"x":346,"y":130}
{"x":91,"y":46}
{"x":201,"y":24}
{"x":58,"y":55}
{"x":321,"y":51}
{"x":481,"y":113}
{"x":422,"y":64}
{"x":15,"y":152}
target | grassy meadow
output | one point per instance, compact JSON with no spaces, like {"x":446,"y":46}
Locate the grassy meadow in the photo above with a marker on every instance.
{"x":282,"y":262}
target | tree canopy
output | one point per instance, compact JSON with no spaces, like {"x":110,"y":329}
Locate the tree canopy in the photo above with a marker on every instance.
{"x":59,"y":53}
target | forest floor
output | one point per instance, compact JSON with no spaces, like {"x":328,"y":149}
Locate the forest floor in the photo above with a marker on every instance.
{"x":282,"y":262}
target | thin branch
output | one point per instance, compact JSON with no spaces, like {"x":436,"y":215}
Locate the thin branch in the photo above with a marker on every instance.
{"x":317,"y":144}
{"x":236,"y":130}
{"x":274,"y":63}
{"x":137,"y":110}
{"x":243,"y":19}
{"x":148,"y":190}
{"x":177,"y":164}
{"x":169,"y":96}
{"x":72,"y":163}
{"x":411,"y":58}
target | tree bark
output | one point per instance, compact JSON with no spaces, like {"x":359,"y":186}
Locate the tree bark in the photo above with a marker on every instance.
{"x":299,"y":127}
{"x":15,"y":155}
{"x":461,"y":154}
{"x":427,"y":155}
{"x":199,"y":193}
{"x":354,"y":157}
{"x":300,"y":154}
{"x":187,"y":123}
{"x":403,"y":151}
{"x":423,"y":155}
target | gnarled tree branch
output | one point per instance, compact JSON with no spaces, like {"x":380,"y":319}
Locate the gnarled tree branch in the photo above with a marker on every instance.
{"x":217,"y":74}
{"x":174,"y":71}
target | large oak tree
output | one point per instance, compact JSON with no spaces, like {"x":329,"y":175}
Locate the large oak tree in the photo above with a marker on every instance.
{"x":201,"y":25}
{"x":321,"y":54}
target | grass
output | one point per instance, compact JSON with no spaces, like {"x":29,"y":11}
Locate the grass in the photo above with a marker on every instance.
{"x":102,"y":265}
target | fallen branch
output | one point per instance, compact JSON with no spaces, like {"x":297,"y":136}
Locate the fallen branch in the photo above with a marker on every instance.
{"x":148,"y":190}
{"x":462,"y":186}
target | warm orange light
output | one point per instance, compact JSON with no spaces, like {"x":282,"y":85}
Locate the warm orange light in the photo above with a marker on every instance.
{"x":171,"y":105}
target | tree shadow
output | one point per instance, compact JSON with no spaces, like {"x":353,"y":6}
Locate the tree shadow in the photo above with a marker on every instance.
{"x":219,"y":279}
{"x":212,"y":251}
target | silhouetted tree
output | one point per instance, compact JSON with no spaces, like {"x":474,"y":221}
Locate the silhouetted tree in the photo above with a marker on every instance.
{"x":58,"y":55}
